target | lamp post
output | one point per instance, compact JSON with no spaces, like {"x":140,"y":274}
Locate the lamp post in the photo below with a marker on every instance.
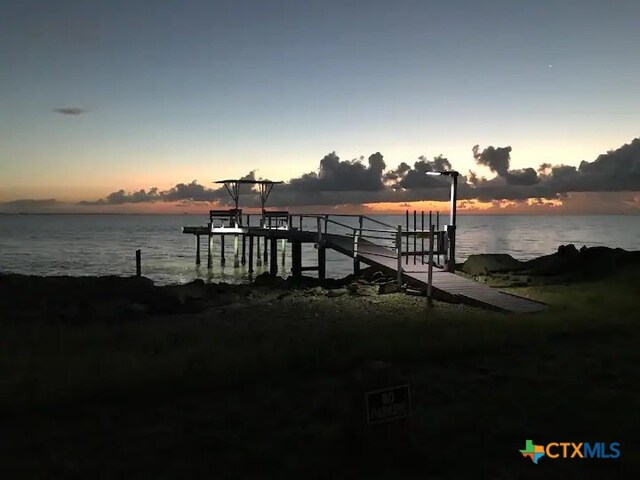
{"x":451,"y":228}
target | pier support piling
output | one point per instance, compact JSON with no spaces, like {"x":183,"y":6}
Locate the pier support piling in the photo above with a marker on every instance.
{"x":296,"y":259}
{"x":138,"y":263}
{"x":197,"y":249}
{"x":284,"y":251}
{"x":250,"y":254}
{"x":322,"y":262}
{"x":273,"y":267}
{"x":258,"y":252}
{"x":243,"y":260}
{"x":222,"y":259}
{"x":236,"y":257}
{"x":266,"y":256}
{"x":430,"y":267}
{"x":210,"y":250}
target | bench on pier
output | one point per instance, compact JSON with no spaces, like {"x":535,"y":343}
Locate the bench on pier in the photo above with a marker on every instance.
{"x":225,"y":218}
{"x":278,"y":219}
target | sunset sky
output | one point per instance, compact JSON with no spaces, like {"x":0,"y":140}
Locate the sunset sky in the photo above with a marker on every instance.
{"x":99,"y":97}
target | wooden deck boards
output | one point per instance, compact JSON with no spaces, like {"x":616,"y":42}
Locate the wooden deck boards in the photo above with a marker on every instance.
{"x":444,"y":283}
{"x":447,"y":283}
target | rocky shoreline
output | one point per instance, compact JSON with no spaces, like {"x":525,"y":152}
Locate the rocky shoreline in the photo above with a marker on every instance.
{"x":568,"y":265}
{"x":82,"y":299}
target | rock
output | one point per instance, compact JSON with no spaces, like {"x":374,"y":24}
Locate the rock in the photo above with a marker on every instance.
{"x":567,"y":250}
{"x":377,"y":275}
{"x":414,"y":292}
{"x":267,"y":280}
{"x":388,"y":287}
{"x":490,"y":263}
{"x":337,"y":292}
{"x":363,"y":290}
{"x":316,"y":291}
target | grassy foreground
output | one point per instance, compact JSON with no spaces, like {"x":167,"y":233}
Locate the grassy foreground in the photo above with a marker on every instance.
{"x":277,"y":390}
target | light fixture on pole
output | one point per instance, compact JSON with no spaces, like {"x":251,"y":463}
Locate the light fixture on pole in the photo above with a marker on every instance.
{"x":451,"y":228}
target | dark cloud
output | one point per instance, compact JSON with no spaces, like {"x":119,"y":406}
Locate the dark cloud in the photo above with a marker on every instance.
{"x":497,"y":159}
{"x":121,"y":197}
{"x":189,"y":192}
{"x":70,"y":110}
{"x":406,"y":177}
{"x":343,"y":175}
{"x":351,"y":182}
{"x":398,"y":173}
{"x":526,"y":176}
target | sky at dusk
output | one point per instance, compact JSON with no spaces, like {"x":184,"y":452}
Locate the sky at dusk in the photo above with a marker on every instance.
{"x":137,"y":106}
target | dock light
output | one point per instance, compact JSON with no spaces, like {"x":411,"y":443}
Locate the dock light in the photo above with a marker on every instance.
{"x":451,"y":228}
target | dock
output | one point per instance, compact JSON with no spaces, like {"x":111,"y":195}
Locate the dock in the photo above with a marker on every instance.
{"x":408,"y":255}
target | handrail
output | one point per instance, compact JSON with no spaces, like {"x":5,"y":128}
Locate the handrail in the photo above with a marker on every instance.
{"x":341,"y":224}
{"x":376,"y":221}
{"x":369,"y":236}
{"x":314,"y":215}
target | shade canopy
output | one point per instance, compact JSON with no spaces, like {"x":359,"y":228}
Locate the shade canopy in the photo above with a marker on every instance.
{"x":233,"y":187}
{"x":249,"y":181}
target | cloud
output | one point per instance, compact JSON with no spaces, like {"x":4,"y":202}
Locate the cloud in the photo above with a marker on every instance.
{"x":406,"y":177}
{"x":181,"y":192}
{"x":342,"y":175}
{"x":70,"y":110}
{"x":497,"y":159}
{"x":354,"y":182}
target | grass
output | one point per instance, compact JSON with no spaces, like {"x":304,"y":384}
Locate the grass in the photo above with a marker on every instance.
{"x":282,"y":395}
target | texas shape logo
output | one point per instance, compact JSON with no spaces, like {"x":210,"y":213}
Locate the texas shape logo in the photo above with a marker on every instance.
{"x":534,"y":452}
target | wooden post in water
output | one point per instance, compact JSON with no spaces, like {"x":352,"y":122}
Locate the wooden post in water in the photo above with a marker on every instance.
{"x":197,"y":249}
{"x":250,"y":254}
{"x":273,"y":268}
{"x":209,"y":246}
{"x":258,"y":252}
{"x":138,"y":263}
{"x":243,"y":260}
{"x":284,"y":251}
{"x":222,"y":259}
{"x":296,"y":259}
{"x":322,"y":262}
{"x":266,"y":257}
{"x":236,"y":257}
{"x":322,"y":256}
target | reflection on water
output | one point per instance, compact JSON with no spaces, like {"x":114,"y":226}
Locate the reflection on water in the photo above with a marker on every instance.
{"x":106,"y":244}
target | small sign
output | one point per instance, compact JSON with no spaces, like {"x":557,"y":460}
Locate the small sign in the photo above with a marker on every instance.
{"x":388,"y":404}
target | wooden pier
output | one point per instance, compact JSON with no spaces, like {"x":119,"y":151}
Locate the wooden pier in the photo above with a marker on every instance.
{"x":400,"y":252}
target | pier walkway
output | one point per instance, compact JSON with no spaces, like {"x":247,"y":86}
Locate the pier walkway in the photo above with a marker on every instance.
{"x":383,"y":246}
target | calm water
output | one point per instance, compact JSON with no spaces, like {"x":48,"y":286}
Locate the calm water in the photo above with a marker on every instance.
{"x":106,"y":244}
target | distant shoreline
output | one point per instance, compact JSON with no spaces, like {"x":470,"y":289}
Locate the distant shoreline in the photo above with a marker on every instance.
{"x":442,"y":212}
